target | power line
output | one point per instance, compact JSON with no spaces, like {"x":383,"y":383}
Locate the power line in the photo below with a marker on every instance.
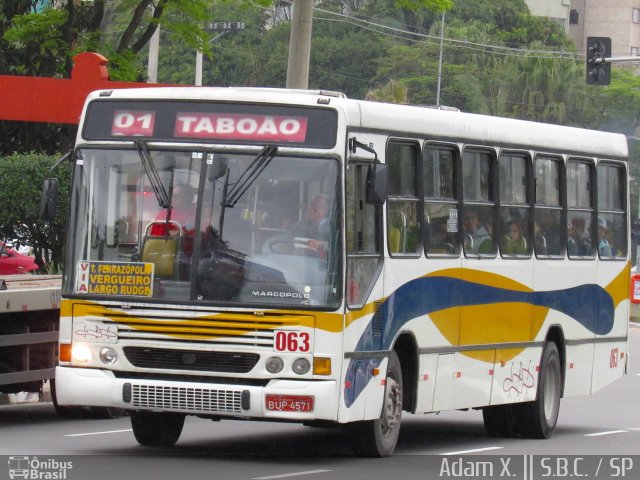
{"x":406,"y":35}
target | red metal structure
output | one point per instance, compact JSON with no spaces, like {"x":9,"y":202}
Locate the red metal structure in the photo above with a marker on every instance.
{"x":57,"y":100}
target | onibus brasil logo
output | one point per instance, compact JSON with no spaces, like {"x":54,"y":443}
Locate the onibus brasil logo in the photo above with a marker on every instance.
{"x":37,"y":469}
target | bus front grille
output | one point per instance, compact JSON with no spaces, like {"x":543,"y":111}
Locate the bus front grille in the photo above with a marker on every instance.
{"x":173,"y":326}
{"x":186,"y":399}
{"x":204,"y":361}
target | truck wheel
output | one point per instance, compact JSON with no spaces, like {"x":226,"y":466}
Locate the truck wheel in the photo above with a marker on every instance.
{"x":157,"y":429}
{"x":538,"y":419}
{"x":378,"y":438}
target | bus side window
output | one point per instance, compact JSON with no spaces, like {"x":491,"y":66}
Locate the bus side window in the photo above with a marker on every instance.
{"x":364,"y":252}
{"x":440,"y":200}
{"x":403,"y":227}
{"x":478,"y":169}
{"x":514,"y":212}
{"x":580,"y":208}
{"x":549,"y":231}
{"x":612,"y":218}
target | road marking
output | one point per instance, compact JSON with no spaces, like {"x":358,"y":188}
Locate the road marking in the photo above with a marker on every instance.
{"x":464,"y":452}
{"x":98,"y":433}
{"x":294,"y":474}
{"x":611,"y":432}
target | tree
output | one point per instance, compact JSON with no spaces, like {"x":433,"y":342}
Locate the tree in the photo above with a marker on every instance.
{"x":21,"y":179}
{"x":392,"y":92}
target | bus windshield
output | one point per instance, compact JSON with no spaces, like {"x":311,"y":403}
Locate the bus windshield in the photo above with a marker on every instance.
{"x":238,"y":229}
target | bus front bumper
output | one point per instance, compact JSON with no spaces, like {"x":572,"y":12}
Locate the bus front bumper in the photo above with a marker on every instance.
{"x":293,"y":400}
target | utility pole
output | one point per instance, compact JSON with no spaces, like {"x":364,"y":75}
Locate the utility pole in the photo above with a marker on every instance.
{"x":300,"y":44}
{"x":154,"y":48}
{"x":440,"y":60}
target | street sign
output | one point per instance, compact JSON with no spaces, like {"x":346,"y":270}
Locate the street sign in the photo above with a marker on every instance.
{"x":225,"y":26}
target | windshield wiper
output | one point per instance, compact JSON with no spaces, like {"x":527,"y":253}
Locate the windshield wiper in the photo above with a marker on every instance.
{"x":249,"y":175}
{"x":152,"y":174}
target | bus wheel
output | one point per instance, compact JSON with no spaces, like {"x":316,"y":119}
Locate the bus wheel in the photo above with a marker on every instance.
{"x":500,"y":421}
{"x":157,"y":429}
{"x":538,"y":419}
{"x":378,"y":438}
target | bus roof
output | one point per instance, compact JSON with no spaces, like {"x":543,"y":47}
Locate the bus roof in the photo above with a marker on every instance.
{"x":405,"y":120}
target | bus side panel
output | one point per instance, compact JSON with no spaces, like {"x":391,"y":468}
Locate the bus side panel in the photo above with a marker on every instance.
{"x":462,"y":381}
{"x":361,"y":394}
{"x":610,"y":356}
{"x":578,"y":369}
{"x":515,"y":375}
{"x":578,"y":364}
{"x":427,"y":370}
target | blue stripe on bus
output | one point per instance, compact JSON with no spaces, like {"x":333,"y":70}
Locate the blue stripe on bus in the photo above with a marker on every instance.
{"x":590,"y":305}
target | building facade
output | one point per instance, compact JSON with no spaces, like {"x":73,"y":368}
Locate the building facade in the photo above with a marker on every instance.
{"x":617,"y":19}
{"x":557,"y":10}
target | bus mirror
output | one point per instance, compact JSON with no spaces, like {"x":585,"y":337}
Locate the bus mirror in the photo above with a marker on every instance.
{"x":48,"y":199}
{"x":377,"y":175}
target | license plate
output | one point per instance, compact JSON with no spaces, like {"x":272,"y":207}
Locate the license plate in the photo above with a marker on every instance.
{"x":289,"y":403}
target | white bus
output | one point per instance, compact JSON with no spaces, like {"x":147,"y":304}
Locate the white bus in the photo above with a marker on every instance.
{"x":338,"y":262}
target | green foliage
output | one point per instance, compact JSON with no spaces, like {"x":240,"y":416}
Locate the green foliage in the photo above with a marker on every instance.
{"x":38,"y":41}
{"x":416,"y":5}
{"x":21,"y":179}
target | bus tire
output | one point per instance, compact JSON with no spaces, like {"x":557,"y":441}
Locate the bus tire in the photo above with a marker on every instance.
{"x":500,"y":421}
{"x":156,"y":429}
{"x":378,"y":438}
{"x":538,"y":419}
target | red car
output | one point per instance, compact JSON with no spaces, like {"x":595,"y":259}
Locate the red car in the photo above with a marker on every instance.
{"x":12,"y":262}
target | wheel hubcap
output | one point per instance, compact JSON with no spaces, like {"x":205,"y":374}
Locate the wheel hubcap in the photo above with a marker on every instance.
{"x":392,"y":406}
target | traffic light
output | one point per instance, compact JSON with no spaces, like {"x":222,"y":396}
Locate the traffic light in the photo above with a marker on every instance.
{"x":598,"y":71}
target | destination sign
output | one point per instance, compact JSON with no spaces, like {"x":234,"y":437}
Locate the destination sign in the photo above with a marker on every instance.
{"x":115,"y":278}
{"x":210,"y":122}
{"x":267,"y":128}
{"x":133,"y":123}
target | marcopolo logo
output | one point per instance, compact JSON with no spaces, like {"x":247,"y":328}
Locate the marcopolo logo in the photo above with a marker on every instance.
{"x":38,"y":469}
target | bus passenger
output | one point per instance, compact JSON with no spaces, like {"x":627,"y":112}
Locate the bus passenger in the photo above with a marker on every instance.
{"x":513,"y":243}
{"x":603,"y":244}
{"x":550,"y":232}
{"x":576,"y":244}
{"x":479,"y":240}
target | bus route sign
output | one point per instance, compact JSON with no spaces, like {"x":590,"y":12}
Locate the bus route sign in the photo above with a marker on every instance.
{"x":115,"y":278}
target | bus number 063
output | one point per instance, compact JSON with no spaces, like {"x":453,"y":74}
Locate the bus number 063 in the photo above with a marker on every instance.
{"x":292,"y":341}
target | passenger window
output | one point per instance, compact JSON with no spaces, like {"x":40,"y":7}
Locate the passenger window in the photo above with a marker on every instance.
{"x":403,"y":228}
{"x":514,"y":212}
{"x":580,"y":211}
{"x":549,"y":232}
{"x":440,"y":200}
{"x":478,"y":219}
{"x":612,"y":217}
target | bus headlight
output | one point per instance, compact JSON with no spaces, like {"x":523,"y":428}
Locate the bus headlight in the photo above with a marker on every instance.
{"x":301,"y":366}
{"x":80,"y":353}
{"x":274,"y":365}
{"x":108,"y":355}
